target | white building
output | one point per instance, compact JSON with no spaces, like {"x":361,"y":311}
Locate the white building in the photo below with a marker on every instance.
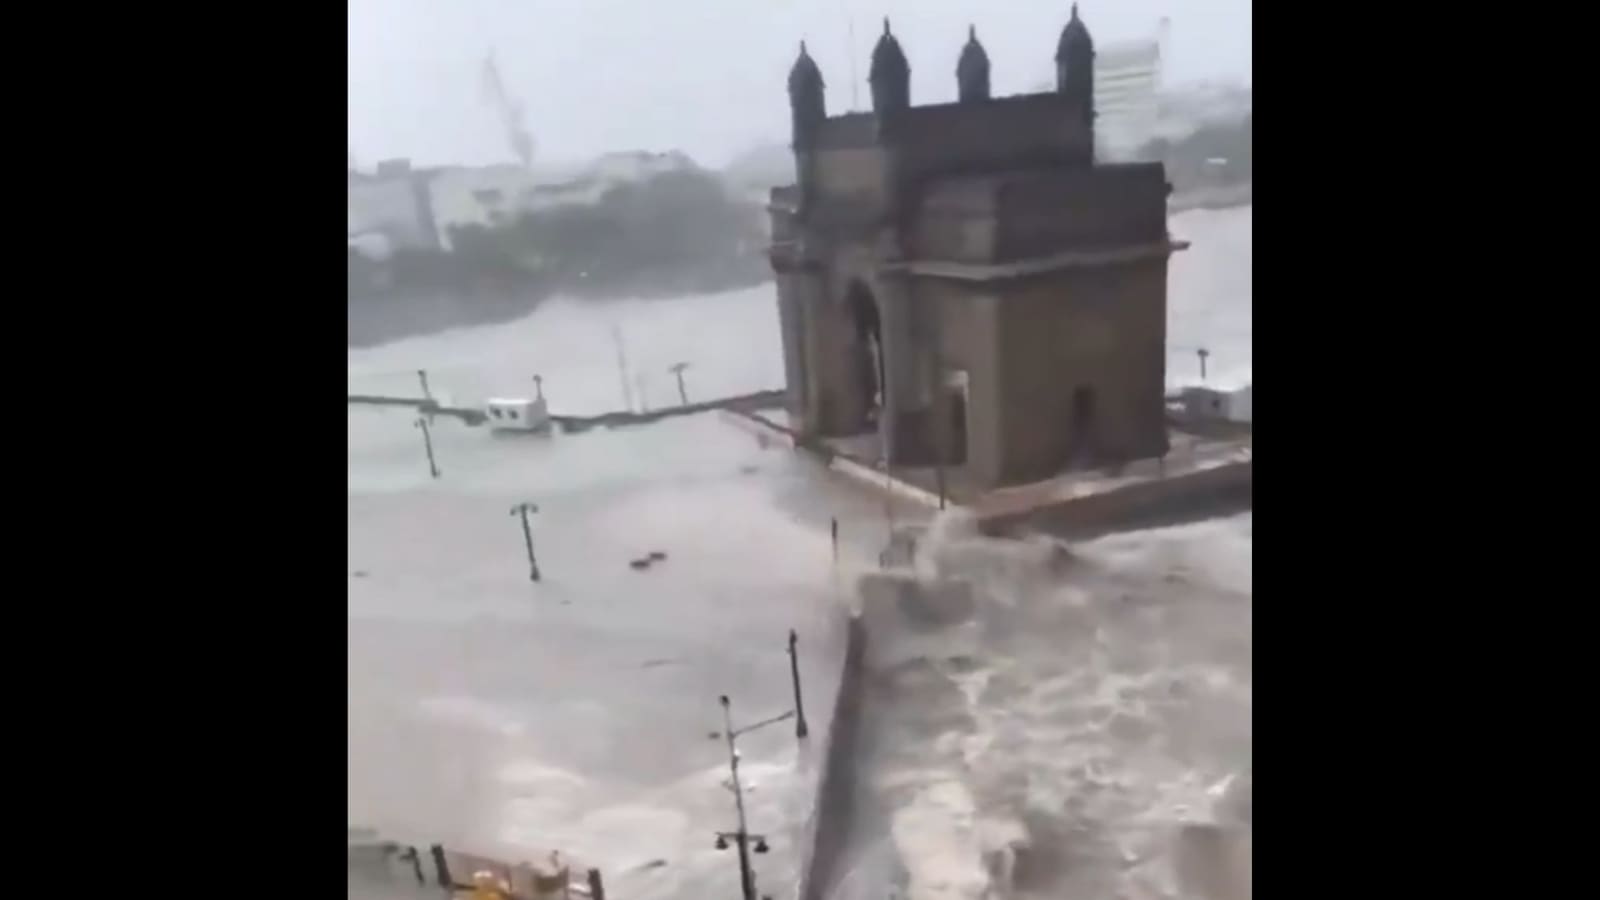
{"x":481,"y":195}
{"x":400,"y":208}
{"x":1127,"y":92}
{"x":636,"y":165}
{"x":392,"y":204}
{"x":490,"y":196}
{"x":1127,"y":86}
{"x":1200,"y":404}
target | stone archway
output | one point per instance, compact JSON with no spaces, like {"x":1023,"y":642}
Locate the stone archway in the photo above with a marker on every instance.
{"x":866,"y":328}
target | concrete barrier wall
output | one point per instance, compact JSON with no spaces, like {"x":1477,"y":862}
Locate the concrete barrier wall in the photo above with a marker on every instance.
{"x":830,"y":817}
{"x":389,"y":869}
{"x":861,"y":470}
{"x":1148,"y":503}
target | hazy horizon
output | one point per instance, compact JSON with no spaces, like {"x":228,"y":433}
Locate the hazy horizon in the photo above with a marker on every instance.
{"x":634,"y":75}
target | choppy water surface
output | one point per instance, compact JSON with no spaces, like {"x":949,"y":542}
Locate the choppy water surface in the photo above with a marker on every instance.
{"x":510,"y":718}
{"x":1039,"y":723}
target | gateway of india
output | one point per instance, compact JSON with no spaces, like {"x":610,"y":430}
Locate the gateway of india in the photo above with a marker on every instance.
{"x":965,"y":281}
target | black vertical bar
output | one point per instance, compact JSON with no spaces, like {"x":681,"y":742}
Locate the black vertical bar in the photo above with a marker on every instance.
{"x":427,"y":443}
{"x":747,"y":882}
{"x":800,"y":729}
{"x":441,"y":867}
{"x":527,"y":538}
{"x":747,"y":878}
{"x":596,"y":889}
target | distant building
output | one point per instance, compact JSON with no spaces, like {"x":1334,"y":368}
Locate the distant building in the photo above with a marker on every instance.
{"x":483,"y":196}
{"x":1201,"y":403}
{"x":399,"y":207}
{"x":395,"y":203}
{"x":965,"y":280}
{"x":636,"y":165}
{"x":1128,"y":96}
{"x":1127,"y":91}
{"x":490,"y":196}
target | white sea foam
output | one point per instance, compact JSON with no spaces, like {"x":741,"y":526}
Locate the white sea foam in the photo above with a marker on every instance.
{"x":1052,"y":741}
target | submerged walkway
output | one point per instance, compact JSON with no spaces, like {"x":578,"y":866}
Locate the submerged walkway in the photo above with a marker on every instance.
{"x":573,"y":424}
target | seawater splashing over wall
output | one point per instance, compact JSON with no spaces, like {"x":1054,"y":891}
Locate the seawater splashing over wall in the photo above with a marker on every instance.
{"x":1041,"y":721}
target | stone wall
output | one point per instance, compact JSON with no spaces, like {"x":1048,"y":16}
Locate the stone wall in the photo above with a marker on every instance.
{"x":1106,"y":206}
{"x":830,"y":824}
{"x":1149,"y":503}
{"x":1007,"y":132}
{"x":1028,"y":214}
{"x":1100,"y":330}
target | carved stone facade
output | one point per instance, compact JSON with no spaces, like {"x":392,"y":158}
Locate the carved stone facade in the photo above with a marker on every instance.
{"x":964,"y":278}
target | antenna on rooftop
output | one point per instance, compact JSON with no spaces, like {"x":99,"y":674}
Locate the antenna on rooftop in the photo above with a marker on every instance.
{"x":850,"y":51}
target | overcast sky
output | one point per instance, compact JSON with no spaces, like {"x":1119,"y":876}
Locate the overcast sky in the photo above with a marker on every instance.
{"x":704,"y":76}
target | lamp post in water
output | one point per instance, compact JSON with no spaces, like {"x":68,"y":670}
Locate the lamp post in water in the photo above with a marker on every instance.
{"x":427,"y":444}
{"x":677,"y":370}
{"x":422,"y":376}
{"x":742,"y":837}
{"x":800,"y":729}
{"x":622,"y":368}
{"x":1203,"y":353}
{"x":522,"y":509}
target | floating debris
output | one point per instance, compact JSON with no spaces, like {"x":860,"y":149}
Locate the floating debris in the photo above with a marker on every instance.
{"x":642,"y":562}
{"x":652,"y":864}
{"x":657,"y":556}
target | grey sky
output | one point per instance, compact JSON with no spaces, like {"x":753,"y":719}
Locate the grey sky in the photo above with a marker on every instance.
{"x":703,"y":76}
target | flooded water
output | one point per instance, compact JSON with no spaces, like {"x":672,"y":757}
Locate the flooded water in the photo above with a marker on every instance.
{"x":1041,"y":724}
{"x":506,"y":717}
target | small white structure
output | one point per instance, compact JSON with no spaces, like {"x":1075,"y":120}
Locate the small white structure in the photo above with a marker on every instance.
{"x":516,"y":414}
{"x":1210,"y":404}
{"x":1239,"y":403}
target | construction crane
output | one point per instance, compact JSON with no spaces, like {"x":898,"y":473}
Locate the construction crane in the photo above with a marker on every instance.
{"x":510,"y":111}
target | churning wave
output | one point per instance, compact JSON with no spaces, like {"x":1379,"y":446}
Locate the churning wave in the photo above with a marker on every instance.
{"x":1044,"y":721}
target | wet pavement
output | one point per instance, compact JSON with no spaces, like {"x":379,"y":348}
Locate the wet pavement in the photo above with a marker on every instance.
{"x":508,"y":718}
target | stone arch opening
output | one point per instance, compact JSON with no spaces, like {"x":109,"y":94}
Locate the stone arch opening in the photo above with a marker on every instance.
{"x":1083,"y":424}
{"x":868,"y":331}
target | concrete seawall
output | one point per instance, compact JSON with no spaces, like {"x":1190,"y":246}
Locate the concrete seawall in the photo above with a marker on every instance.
{"x":381,"y":869}
{"x":828,"y":828}
{"x":1197,"y":494}
{"x":1216,"y":489}
{"x":742,"y":403}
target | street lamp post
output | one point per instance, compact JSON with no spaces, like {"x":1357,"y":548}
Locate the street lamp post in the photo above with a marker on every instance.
{"x":742,"y":837}
{"x":522,"y":509}
{"x":644,"y":402}
{"x":677,"y":370}
{"x":422,"y":376}
{"x":1203,"y":353}
{"x":941,"y":425}
{"x":622,"y":367}
{"x":538,"y":387}
{"x":427,"y":444}
{"x":800,"y":729}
